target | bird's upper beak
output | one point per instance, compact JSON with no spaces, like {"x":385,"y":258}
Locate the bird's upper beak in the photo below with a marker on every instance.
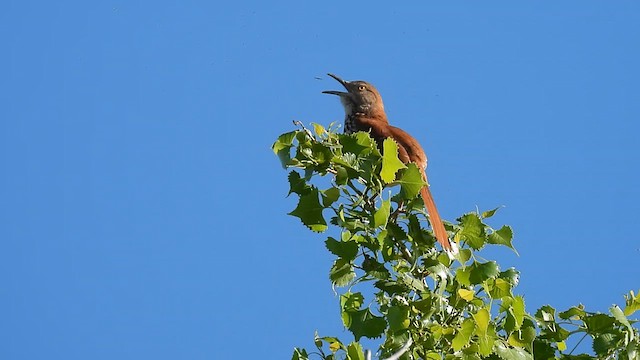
{"x":341,"y":81}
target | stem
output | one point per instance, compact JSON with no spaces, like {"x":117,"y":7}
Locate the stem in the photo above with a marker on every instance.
{"x":579,"y":341}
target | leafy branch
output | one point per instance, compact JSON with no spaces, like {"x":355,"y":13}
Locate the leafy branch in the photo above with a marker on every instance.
{"x":443,"y":306}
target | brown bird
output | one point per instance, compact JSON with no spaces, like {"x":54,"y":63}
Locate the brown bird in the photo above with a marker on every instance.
{"x":364,"y":111}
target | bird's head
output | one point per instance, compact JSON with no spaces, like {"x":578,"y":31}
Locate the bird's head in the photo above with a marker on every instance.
{"x":360,"y":97}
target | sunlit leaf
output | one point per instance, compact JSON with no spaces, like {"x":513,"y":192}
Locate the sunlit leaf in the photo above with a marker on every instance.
{"x":300,"y":354}
{"x":284,"y":141}
{"x":518,"y":310}
{"x":464,"y":335}
{"x":282,"y":147}
{"x":486,"y":340}
{"x":483,"y":271}
{"x":619,"y":315}
{"x":523,"y":338}
{"x":381,"y":215}
{"x":473,"y":231}
{"x":511,"y":275}
{"x":334,"y":343}
{"x":482,"y":318}
{"x":489,"y":213}
{"x":411,"y":182}
{"x":390,"y":162}
{"x":466,"y":294}
{"x":351,"y":301}
{"x":575,"y":312}
{"x":507,"y":353}
{"x":499,"y":288}
{"x":632,"y":303}
{"x":319,"y":129}
{"x":354,"y":351}
{"x":358,"y":144}
{"x":502,"y":236}
{"x":342,"y":272}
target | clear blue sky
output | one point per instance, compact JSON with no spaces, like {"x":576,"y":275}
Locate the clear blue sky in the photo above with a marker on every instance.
{"x":144,"y":216}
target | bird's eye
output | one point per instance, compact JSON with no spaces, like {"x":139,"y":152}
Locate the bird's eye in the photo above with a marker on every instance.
{"x":361,"y":87}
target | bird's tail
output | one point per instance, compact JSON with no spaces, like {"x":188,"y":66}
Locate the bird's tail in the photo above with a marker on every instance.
{"x":436,"y":221}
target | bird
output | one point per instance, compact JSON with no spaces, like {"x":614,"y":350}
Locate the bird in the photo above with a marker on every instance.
{"x":364,"y":111}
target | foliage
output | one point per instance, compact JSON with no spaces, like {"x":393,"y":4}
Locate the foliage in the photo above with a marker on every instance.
{"x":449,"y":306}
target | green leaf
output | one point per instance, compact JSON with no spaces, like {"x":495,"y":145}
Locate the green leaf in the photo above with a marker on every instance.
{"x":467,"y":295}
{"x":598,"y":322}
{"x":464,"y":276}
{"x":503,"y":236}
{"x":482,"y":318}
{"x":546,"y":314}
{"x":619,"y":315}
{"x":604,"y":343}
{"x":499,"y":288}
{"x":390,"y":162}
{"x":542,"y":350}
{"x":632,"y":303}
{"x":344,"y":249}
{"x":464,"y":255}
{"x":473,"y":231}
{"x":330,"y":196}
{"x":464,"y":335}
{"x":372,"y":267}
{"x":508,"y":353}
{"x":284,"y":141}
{"x":511,"y":275}
{"x":382,"y":214}
{"x":282,"y":147}
{"x":364,"y":323}
{"x":576,"y":312}
{"x":297,"y":184}
{"x":523,"y":338}
{"x":436,"y":269}
{"x":354,"y":351}
{"x":391,"y":287}
{"x":342,"y":175}
{"x":309,"y":211}
{"x":341,"y":272}
{"x":426,"y":306}
{"x":432,"y":355}
{"x":486,"y":341}
{"x":334,"y":343}
{"x":300,"y":354}
{"x":483,"y":271}
{"x":321,"y":154}
{"x":398,"y":317}
{"x":411,"y":182}
{"x":518,"y":311}
{"x":489,"y":213}
{"x":319,"y":129}
{"x":351,"y":301}
{"x":358,"y":144}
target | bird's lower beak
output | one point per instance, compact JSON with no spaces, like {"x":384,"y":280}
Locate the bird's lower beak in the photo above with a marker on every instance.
{"x":341,"y":81}
{"x":339,"y":93}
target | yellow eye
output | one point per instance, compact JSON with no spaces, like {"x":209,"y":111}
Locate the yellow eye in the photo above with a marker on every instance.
{"x":361,"y":87}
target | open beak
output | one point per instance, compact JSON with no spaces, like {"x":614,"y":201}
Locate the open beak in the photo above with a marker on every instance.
{"x":341,"y":81}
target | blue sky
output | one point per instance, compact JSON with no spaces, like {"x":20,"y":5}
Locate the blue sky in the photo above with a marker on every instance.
{"x":144,"y":216}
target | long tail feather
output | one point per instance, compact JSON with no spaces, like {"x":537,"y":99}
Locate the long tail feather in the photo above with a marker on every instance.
{"x":436,"y":221}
